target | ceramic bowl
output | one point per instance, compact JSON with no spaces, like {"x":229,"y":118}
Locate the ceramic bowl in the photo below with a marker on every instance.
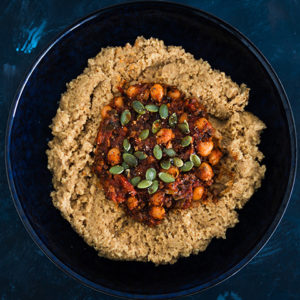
{"x":36,"y":103}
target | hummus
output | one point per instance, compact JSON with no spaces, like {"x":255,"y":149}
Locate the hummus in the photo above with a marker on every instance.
{"x":77,"y":192}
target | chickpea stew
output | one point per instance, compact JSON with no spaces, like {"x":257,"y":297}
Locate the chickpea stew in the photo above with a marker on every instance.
{"x":155,"y":151}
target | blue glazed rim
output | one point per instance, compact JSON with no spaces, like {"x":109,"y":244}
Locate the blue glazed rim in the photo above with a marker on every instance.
{"x":293,"y":166}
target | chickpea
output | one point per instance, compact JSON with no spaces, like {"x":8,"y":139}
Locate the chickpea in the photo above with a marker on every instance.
{"x":164,"y":136}
{"x":157,"y":92}
{"x":119,"y":102}
{"x":105,"y":110}
{"x":205,"y":172}
{"x":174,"y":94}
{"x":132,"y":91}
{"x":157,"y":212}
{"x":198,"y":193}
{"x":205,"y":148}
{"x":173,"y":171}
{"x":157,"y":199}
{"x":203,"y":124}
{"x":215,"y":156}
{"x":183,"y":118}
{"x":172,"y":188}
{"x":132,"y":203}
{"x":114,"y":156}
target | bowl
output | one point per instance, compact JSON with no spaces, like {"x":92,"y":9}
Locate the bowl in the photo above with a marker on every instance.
{"x":36,"y":103}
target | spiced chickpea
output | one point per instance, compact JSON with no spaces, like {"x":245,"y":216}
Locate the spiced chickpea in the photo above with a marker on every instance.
{"x":183,"y":118}
{"x":157,"y":212}
{"x":203,"y":124}
{"x":164,"y":136}
{"x":105,"y":111}
{"x":215,"y":156}
{"x":157,"y":199}
{"x":174,"y":171}
{"x":198,"y":193}
{"x":132,"y":91}
{"x":157,"y":92}
{"x":114,"y":156}
{"x":205,"y":172}
{"x":205,"y":148}
{"x":172,"y":188}
{"x":174,"y":94}
{"x":119,"y":102}
{"x":132,"y":203}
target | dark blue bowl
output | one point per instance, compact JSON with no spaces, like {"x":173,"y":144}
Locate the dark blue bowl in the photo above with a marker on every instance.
{"x":36,"y":103}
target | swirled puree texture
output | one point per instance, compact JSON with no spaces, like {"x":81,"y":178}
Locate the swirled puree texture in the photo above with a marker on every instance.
{"x":77,"y":191}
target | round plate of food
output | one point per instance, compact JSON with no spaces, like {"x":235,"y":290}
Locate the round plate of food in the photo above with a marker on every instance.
{"x":142,"y":150}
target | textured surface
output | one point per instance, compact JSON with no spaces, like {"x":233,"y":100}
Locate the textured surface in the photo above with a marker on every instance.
{"x":75,"y":128}
{"x":271,"y":25}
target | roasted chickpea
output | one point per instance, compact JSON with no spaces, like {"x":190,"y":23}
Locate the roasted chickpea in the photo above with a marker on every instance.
{"x":105,"y":110}
{"x":174,"y":94}
{"x":173,"y":171}
{"x":132,"y":203}
{"x":157,"y":199}
{"x":205,"y":172}
{"x":215,"y":156}
{"x":164,"y":136}
{"x":119,"y":102}
{"x":198,"y":193}
{"x":157,"y":92}
{"x":203,"y":124}
{"x":157,"y":212}
{"x":172,"y":188}
{"x":114,"y":156}
{"x":205,"y":148}
{"x":132,"y":91}
{"x":183,"y":118}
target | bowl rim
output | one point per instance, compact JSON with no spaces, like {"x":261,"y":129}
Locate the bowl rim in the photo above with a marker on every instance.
{"x":292,"y":174}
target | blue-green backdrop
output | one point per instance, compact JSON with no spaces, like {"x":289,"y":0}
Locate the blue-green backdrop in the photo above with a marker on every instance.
{"x":26,"y":27}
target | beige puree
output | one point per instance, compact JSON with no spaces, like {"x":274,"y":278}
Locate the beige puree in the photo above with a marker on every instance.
{"x":77,"y":192}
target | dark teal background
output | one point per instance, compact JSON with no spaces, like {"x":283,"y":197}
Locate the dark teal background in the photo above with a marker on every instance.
{"x":27,"y":27}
